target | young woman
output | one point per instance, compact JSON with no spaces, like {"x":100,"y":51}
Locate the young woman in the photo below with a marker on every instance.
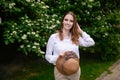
{"x":68,"y":38}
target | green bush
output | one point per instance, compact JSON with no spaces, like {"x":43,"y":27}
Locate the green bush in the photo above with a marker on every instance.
{"x":97,"y":18}
{"x":31,"y":22}
{"x":27,"y":24}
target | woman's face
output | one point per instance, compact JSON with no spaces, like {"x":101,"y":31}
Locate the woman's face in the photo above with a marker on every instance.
{"x":68,"y":22}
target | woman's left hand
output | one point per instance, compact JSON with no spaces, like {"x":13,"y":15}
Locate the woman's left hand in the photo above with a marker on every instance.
{"x":79,"y":29}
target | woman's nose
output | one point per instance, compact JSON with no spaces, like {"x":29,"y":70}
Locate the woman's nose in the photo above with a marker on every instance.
{"x":68,"y":22}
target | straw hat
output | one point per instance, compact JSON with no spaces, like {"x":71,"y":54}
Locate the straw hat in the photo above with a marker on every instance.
{"x":68,"y":64}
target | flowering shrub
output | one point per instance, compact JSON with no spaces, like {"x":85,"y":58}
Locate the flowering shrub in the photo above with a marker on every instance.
{"x":97,"y":18}
{"x":33,"y":27}
{"x":31,"y":22}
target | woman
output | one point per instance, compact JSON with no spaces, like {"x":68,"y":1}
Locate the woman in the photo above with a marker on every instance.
{"x":68,"y":38}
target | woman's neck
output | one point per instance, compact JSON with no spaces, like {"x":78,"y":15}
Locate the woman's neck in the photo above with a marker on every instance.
{"x":66,"y":34}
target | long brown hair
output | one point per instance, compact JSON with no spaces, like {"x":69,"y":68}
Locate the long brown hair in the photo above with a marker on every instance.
{"x":74,"y":29}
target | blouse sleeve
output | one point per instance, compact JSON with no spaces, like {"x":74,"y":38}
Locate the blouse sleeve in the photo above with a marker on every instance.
{"x":50,"y":57}
{"x":86,"y":40}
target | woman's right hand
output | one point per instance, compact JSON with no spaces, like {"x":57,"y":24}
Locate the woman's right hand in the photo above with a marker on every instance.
{"x":61,"y":54}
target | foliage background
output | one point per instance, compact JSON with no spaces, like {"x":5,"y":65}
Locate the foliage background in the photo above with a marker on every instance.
{"x":29,"y":23}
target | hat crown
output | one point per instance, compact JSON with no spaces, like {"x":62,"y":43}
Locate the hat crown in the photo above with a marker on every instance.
{"x":68,"y":64}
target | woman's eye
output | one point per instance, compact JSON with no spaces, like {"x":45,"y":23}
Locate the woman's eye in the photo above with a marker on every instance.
{"x":71,"y":20}
{"x":66,"y":19}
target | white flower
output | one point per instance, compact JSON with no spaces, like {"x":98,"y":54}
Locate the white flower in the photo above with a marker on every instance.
{"x":28,"y":0}
{"x":14,"y":32}
{"x":32,"y":4}
{"x":47,"y":6}
{"x":24,"y":36}
{"x":46,"y":20}
{"x":34,"y":47}
{"x":88,"y":12}
{"x":44,"y":7}
{"x":22,"y":18}
{"x":8,"y":31}
{"x":90,"y":6}
{"x":26,"y":16}
{"x":58,"y":21}
{"x":91,"y":0}
{"x":103,"y":26}
{"x":11,"y":33}
{"x":13,"y":26}
{"x":28,"y":45}
{"x":37,"y":31}
{"x":21,"y":46}
{"x":16,"y":28}
{"x":20,"y":31}
{"x":28,"y":32}
{"x":99,"y":18}
{"x":119,"y":42}
{"x":45,"y":43}
{"x":41,"y":20}
{"x":42,"y":52}
{"x":35,"y":43}
{"x":106,"y":34}
{"x":52,"y":27}
{"x":83,"y":3}
{"x":11,"y":5}
{"x":36,"y":35}
{"x":33,"y":32}
{"x":26,"y":21}
{"x":38,"y":0}
{"x":42,"y":2}
{"x":53,"y":19}
{"x":54,"y":15}
{"x":29,"y":24}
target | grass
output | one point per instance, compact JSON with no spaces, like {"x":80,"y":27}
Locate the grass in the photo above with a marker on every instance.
{"x":93,"y":68}
{"x":39,"y":69}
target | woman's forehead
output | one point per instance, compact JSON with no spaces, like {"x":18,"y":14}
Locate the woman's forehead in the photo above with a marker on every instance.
{"x":68,"y":16}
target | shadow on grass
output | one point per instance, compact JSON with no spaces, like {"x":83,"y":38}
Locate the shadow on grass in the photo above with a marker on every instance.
{"x":26,"y":68}
{"x":31,"y":67}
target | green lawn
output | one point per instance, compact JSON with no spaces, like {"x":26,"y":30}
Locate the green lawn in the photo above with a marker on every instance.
{"x":39,"y":69}
{"x":92,"y":68}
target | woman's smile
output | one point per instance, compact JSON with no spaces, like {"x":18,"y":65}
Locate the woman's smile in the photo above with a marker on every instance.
{"x":68,"y":22}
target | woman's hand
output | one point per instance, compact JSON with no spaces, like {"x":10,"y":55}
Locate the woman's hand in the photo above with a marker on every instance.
{"x":61,"y":54}
{"x":79,"y":29}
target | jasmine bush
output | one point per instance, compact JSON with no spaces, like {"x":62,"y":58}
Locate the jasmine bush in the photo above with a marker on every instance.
{"x":29,"y":23}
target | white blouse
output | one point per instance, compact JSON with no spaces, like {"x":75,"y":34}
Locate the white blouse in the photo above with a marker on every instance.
{"x":55,"y":46}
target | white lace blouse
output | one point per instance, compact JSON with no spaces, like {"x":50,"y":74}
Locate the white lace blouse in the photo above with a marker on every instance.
{"x":55,"y":46}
